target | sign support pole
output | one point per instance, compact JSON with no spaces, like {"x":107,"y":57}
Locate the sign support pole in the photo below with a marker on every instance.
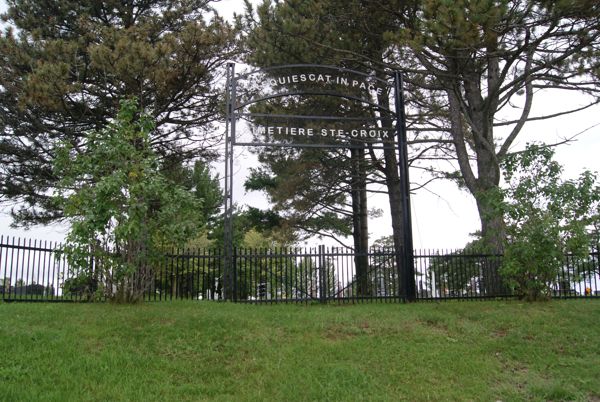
{"x":228,"y":267}
{"x":408,"y":271}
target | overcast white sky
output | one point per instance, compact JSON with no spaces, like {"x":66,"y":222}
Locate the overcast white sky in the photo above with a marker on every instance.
{"x":443,"y":216}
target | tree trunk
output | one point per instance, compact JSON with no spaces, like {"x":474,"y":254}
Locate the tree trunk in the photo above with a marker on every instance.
{"x":395,"y":200}
{"x":360,"y":218}
{"x":394,"y":189}
{"x":484,"y":186}
{"x":493,"y":234}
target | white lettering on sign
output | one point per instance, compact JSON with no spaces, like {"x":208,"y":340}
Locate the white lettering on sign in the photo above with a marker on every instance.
{"x":362,"y":133}
{"x":326,"y":79}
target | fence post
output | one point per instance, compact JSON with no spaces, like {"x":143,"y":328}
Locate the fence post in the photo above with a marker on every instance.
{"x":235,"y":274}
{"x":3,"y":277}
{"x":321,"y":268}
{"x":398,"y":253}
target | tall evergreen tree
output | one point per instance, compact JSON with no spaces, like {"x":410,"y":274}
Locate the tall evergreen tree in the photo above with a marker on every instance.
{"x":301,"y":31}
{"x":466,"y":64}
{"x":319,"y":191}
{"x":66,"y":64}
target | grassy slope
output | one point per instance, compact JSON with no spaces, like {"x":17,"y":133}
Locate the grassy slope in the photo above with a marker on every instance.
{"x":208,"y":351}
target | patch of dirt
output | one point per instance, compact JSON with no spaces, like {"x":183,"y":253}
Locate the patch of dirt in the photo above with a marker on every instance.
{"x":436,"y":326}
{"x":166,"y":321}
{"x":499,"y":333}
{"x":341,"y":332}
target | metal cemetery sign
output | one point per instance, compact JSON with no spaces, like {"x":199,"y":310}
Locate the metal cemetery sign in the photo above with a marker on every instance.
{"x":304,"y":132}
{"x":309,"y":106}
{"x":314,"y":106}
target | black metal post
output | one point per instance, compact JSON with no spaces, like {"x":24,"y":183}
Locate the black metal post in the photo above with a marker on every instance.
{"x":228,"y":277}
{"x":234,"y":272}
{"x":408,"y":271}
{"x":322,"y":274}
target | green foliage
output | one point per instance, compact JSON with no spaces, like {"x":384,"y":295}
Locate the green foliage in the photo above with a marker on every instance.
{"x":201,"y":183}
{"x":263,"y":263}
{"x":83,"y":286}
{"x":318,"y":191}
{"x":547,"y":217}
{"x":308,"y":191}
{"x":66,"y":64}
{"x":475,"y":58}
{"x":122,"y":209}
{"x":243,"y":222}
{"x":459,"y":272}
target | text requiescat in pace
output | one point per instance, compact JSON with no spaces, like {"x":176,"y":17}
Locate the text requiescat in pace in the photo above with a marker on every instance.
{"x":327,"y":79}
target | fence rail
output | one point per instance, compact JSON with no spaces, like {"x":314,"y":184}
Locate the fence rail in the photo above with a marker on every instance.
{"x":38,"y":271}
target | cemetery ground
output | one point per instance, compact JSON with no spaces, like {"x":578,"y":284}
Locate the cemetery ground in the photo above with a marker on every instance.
{"x":189,"y":351}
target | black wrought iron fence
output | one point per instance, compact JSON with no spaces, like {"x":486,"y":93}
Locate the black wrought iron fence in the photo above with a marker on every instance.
{"x":456,"y":275}
{"x":37,"y":271}
{"x":30,"y":270}
{"x":315,"y":274}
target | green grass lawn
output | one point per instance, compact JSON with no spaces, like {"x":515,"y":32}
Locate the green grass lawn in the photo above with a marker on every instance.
{"x":189,"y":351}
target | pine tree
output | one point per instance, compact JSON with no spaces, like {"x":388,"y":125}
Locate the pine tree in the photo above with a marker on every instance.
{"x":67,"y":64}
{"x":334,"y":32}
{"x":465,"y":63}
